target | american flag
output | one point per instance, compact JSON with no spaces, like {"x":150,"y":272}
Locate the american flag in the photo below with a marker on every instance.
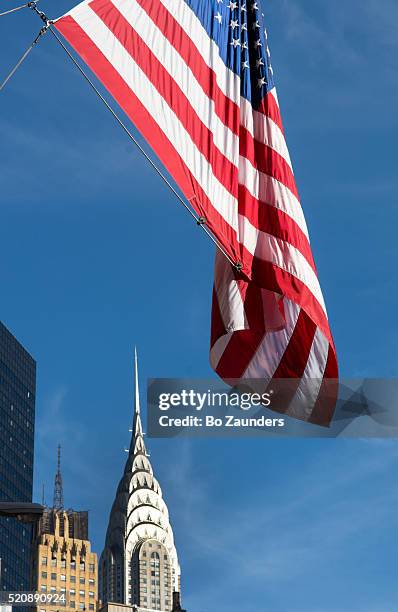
{"x":195,"y":77}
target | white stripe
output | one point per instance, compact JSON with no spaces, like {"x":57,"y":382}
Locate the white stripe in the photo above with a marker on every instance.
{"x":270,"y":352}
{"x":224,"y":139}
{"x":282,"y":254}
{"x":271,"y":192}
{"x":229,"y":298}
{"x":218,"y":349}
{"x":113,"y":50}
{"x":264,"y":130}
{"x":227,"y":80}
{"x":308,"y":390}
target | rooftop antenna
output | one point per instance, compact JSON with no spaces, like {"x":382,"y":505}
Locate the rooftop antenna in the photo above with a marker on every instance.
{"x":58,"y":503}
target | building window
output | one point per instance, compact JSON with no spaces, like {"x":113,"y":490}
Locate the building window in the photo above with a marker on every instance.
{"x":72,"y":591}
{"x":91,"y":581}
{"x":63,"y":577}
{"x":92,"y":568}
{"x":81,"y":593}
{"x":73,"y":578}
{"x":91,"y":594}
{"x":82,"y":566}
{"x":44,"y":560}
{"x":44,"y":574}
{"x":53,"y":576}
{"x":82,"y":581}
{"x":53,"y":563}
{"x":43,"y":588}
{"x":72,"y":604}
{"x":81,"y":606}
{"x":91,"y":606}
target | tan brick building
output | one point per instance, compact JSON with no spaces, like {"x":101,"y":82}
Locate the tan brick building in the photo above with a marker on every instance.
{"x":63,"y":563}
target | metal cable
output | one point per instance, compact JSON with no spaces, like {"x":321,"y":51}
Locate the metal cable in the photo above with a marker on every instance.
{"x":23,"y":58}
{"x":13,"y":10}
{"x":199,"y":220}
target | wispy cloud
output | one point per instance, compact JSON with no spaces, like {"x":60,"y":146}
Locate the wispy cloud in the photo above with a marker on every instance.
{"x":273,"y":533}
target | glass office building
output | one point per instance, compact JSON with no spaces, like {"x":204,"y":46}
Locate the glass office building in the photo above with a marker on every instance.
{"x":17,"y":417}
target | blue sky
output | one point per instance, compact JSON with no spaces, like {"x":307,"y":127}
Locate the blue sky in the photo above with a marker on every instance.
{"x":95,"y":256}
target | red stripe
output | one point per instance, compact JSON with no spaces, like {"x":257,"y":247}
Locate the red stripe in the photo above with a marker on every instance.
{"x":267,"y":160}
{"x":325,"y":405}
{"x":252,"y":299}
{"x":295,"y":357}
{"x":223,"y":169}
{"x":227,"y":110}
{"x":271,"y":220}
{"x":270,"y":276}
{"x":150,"y":130}
{"x":238,"y":354}
{"x":269,"y":107}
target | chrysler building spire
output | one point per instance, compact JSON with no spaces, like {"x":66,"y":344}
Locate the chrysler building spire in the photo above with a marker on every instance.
{"x":137,"y":425}
{"x":139,"y":565}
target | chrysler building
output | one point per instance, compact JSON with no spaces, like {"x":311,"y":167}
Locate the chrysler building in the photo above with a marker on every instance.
{"x":139,"y":564}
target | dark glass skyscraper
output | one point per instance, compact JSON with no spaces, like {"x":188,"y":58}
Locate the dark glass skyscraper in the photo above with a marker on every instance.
{"x":17,"y":417}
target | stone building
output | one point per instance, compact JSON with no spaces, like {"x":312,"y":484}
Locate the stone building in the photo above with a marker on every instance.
{"x":63,"y":562}
{"x":139,"y":565}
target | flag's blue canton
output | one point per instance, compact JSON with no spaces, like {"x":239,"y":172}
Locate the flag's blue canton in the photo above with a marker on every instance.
{"x":237,"y":27}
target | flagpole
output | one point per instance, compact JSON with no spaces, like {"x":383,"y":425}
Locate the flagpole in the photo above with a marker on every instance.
{"x":200,"y":221}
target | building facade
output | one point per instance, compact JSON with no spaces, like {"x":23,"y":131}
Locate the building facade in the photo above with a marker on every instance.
{"x":139,"y":565}
{"x":63,"y":562}
{"x":17,"y":419}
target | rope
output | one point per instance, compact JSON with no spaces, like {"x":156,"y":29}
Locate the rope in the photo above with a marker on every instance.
{"x":13,"y":10}
{"x":199,"y":220}
{"x":23,"y":58}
